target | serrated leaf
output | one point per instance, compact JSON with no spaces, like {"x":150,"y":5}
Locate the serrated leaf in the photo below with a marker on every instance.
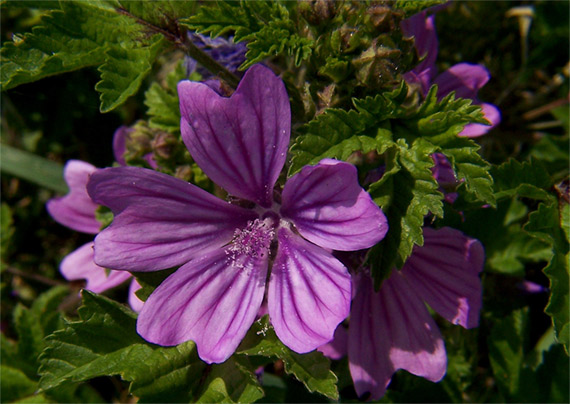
{"x":93,"y":33}
{"x":104,"y":342}
{"x":527,"y":179}
{"x":123,"y":72}
{"x":338,"y":133}
{"x":515,"y":377}
{"x":265,"y":25}
{"x":220,"y":17}
{"x":545,"y":224}
{"x":231,"y":382}
{"x":68,"y":39}
{"x":406,"y":195}
{"x":312,"y":369}
{"x":33,"y":324}
{"x":470,"y":168}
{"x":162,"y":102}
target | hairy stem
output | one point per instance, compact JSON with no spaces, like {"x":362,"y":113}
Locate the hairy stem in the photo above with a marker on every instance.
{"x":181,"y":40}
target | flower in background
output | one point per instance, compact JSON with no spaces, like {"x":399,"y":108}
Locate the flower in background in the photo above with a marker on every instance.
{"x":224,"y":248}
{"x":76,"y":210}
{"x":225,"y":51}
{"x":464,"y":78}
{"x":392,"y":329}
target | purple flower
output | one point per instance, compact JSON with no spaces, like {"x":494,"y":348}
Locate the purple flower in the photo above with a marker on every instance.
{"x":392,"y":329}
{"x":224,"y":249}
{"x":77,"y":211}
{"x":225,"y":51}
{"x":464,"y":78}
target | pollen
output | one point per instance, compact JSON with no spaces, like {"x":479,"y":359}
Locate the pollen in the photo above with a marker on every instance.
{"x":254,"y":240}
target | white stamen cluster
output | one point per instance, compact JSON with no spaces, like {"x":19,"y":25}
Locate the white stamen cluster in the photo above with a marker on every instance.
{"x":254,"y":240}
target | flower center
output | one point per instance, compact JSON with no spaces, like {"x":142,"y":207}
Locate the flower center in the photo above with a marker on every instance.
{"x":255,"y":239}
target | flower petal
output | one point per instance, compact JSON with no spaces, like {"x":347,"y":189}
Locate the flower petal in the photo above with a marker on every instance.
{"x":308,"y":294}
{"x":464,"y":78}
{"x":239,"y":142}
{"x":337,"y":348}
{"x":80,"y":265}
{"x":76,"y":210}
{"x":422,"y":28}
{"x":491,"y":113}
{"x":120,"y":143}
{"x":445,"y":273}
{"x":134,"y":301}
{"x":391,"y":330}
{"x":212,"y":301}
{"x":160,"y":221}
{"x":331,"y":209}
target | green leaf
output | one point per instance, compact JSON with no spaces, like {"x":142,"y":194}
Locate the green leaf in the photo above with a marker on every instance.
{"x":68,"y":39}
{"x":470,"y":168}
{"x":506,"y":352}
{"x":30,"y":167}
{"x":546,"y":224}
{"x":527,"y":179}
{"x":220,"y":17}
{"x":517,"y":379}
{"x":406,"y":195}
{"x":411,"y":7}
{"x":15,"y":384}
{"x":123,"y":72}
{"x":93,"y":33}
{"x":266,"y":26}
{"x":338,"y":133}
{"x":312,"y":369}
{"x":231,"y":382}
{"x":105,"y":342}
{"x":6,"y":230}
{"x":162,"y":102}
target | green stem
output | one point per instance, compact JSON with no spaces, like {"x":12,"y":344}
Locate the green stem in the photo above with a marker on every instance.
{"x":209,"y":63}
{"x":181,"y":40}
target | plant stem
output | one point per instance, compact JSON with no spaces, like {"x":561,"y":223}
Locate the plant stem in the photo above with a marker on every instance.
{"x":181,"y":40}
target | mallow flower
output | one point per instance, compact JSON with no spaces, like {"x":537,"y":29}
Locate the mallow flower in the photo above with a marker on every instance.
{"x":76,"y":210}
{"x":260,"y":243}
{"x":464,"y":78}
{"x":392,"y":329}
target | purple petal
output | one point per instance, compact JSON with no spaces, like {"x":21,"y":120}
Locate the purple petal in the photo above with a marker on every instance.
{"x":491,"y":113}
{"x":119,"y":143}
{"x":464,"y":78}
{"x":120,"y":147}
{"x":212,"y":301}
{"x":75,"y":210}
{"x":308,"y":295}
{"x":239,"y":142}
{"x":160,"y":221}
{"x":135,"y":303}
{"x":391,"y":330}
{"x":80,"y":265}
{"x":422,"y":28}
{"x":337,"y":348}
{"x":329,"y":208}
{"x":444,"y":272}
{"x":443,"y":171}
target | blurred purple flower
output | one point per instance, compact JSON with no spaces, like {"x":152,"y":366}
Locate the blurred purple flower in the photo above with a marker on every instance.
{"x":76,"y":210}
{"x":225,"y":51}
{"x":392,"y":329}
{"x":224,"y":248}
{"x":464,"y":78}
